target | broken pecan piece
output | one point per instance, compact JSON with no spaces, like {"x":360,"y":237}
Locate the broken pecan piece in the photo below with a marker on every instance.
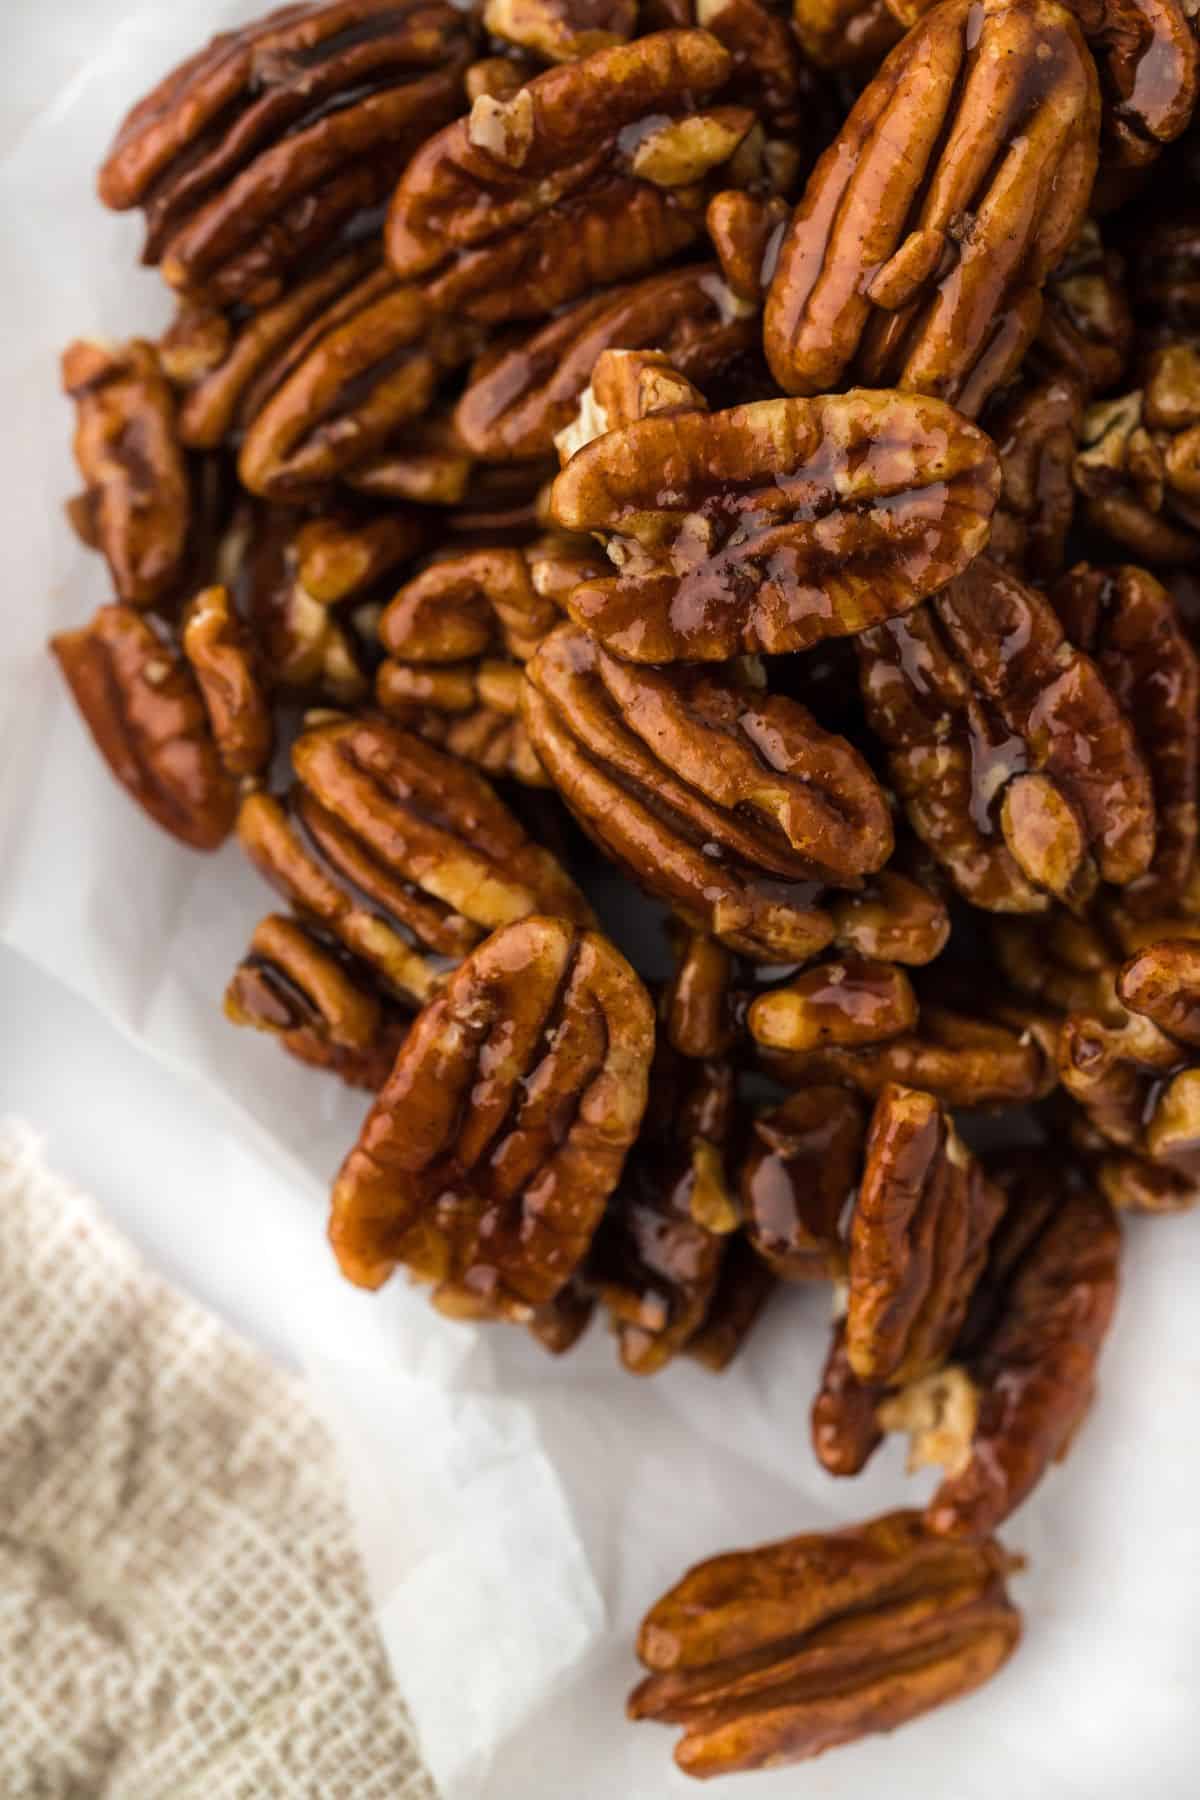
{"x":728,"y":803}
{"x":589,"y":174}
{"x":306,"y":647}
{"x":255,"y":153}
{"x":1139,"y":465}
{"x":226,"y":665}
{"x":141,"y":703}
{"x":918,"y":1239}
{"x":1015,"y":764}
{"x":136,"y":509}
{"x":488,"y":1157}
{"x":917,"y":253}
{"x":846,"y":34}
{"x":843,"y":1003}
{"x":774,"y":525}
{"x":797,"y":1179}
{"x":771,"y":1655}
{"x":340,"y":557}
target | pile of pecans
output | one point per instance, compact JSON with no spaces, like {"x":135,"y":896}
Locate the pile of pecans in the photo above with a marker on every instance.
{"x":510,"y":431}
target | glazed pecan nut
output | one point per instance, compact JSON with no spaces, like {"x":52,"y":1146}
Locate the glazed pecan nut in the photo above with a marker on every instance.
{"x":916,"y":255}
{"x":484,"y":600}
{"x":561,"y":30}
{"x":225,"y":662}
{"x":1047,"y":1301}
{"x":1139,"y":464}
{"x":771,"y":1655}
{"x":845,"y":1430}
{"x":298,"y":984}
{"x":519,"y":399}
{"x":341,"y":558}
{"x":1147,"y":56}
{"x":730,"y":804}
{"x":657,"y":1256}
{"x":587,"y":175}
{"x":254,"y":153}
{"x":918,"y":1239}
{"x":488,"y":1157}
{"x":305,"y":646}
{"x":136,"y":508}
{"x":1012,"y":757}
{"x":845,"y":1002}
{"x":746,"y":231}
{"x":1036,"y":430}
{"x":801,"y":1170}
{"x":145,"y":712}
{"x":846,"y":34}
{"x":744,"y":1285}
{"x":774,"y":525}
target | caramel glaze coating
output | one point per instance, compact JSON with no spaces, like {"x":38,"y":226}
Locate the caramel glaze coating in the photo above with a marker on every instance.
{"x":800,"y":1172}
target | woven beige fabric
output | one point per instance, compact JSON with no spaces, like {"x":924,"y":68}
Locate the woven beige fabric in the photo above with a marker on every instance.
{"x":182,"y":1609}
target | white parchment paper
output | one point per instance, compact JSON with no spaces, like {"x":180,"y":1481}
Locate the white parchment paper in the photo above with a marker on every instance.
{"x":518,"y":1514}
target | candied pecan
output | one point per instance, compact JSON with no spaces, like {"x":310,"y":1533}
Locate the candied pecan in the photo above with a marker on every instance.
{"x":226,"y":665}
{"x":487,"y":599}
{"x":891,"y":918}
{"x":306,"y":647}
{"x":488,"y":1157}
{"x":917,"y":253}
{"x":845,"y":1431}
{"x":846,"y":1002}
{"x":770,"y":75}
{"x":137,"y":505}
{"x":142,"y":705}
{"x":699,"y":1003}
{"x":1138,"y":1077}
{"x":746,"y":232}
{"x":1131,"y":625}
{"x":846,"y":34}
{"x":589,"y":174}
{"x":1012,"y":1405}
{"x":256,"y":152}
{"x":471,"y":709}
{"x":1087,"y":326}
{"x":561,"y":30}
{"x":1013,"y":760}
{"x":1139,"y":465}
{"x":730,"y":804}
{"x":795,"y":1183}
{"x":339,"y":557}
{"x":298,"y":983}
{"x":918,"y":1239}
{"x":373,"y":368}
{"x":1035,"y":427}
{"x":1147,"y":56}
{"x":499,"y":76}
{"x":774,"y":525}
{"x":771,"y":1655}
{"x":657,"y":1255}
{"x":519,"y":399}
{"x":1063,"y":962}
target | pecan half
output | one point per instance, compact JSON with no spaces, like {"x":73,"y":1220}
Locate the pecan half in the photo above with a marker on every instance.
{"x":1029,"y":1355}
{"x":142,"y":705}
{"x":1013,"y":760}
{"x":771,"y":1655}
{"x":846,"y":34}
{"x":226,"y":665}
{"x":730,"y":804}
{"x":916,"y":255}
{"x":341,"y":557}
{"x":488,"y":1157}
{"x":484,"y":600}
{"x":589,"y":174}
{"x":1087,"y":326}
{"x":1036,"y":428}
{"x":1131,"y":625}
{"x":1139,"y":465}
{"x":774,"y":525}
{"x":253,"y":154}
{"x":746,"y":231}
{"x":519,"y":399}
{"x":918,"y":1239}
{"x":657,"y":1256}
{"x":843,"y":1003}
{"x":800,"y":1172}
{"x":326,"y":1009}
{"x":137,"y":505}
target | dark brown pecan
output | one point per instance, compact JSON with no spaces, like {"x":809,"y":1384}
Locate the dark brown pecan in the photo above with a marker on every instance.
{"x":1062,"y":962}
{"x":141,"y":703}
{"x":136,"y":508}
{"x":371,"y":367}
{"x":1147,"y":56}
{"x":1013,"y":1403}
{"x":1131,"y":625}
{"x":917,"y":254}
{"x":846,"y":34}
{"x":800,"y":1172}
{"x":306,"y":647}
{"x":774,"y":525}
{"x":520,"y":398}
{"x":771,"y":1655}
{"x":589,"y":174}
{"x":488,"y":1157}
{"x":1166,"y":271}
{"x":657,"y":1256}
{"x":556,"y":1324}
{"x":326,"y":1009}
{"x":730,"y":804}
{"x":256,"y":152}
{"x":1014,"y":761}
{"x":918,"y":1239}
{"x":395,"y":849}
{"x":770,"y":75}
{"x":227,"y":667}
{"x":1139,"y":465}
{"x":561,"y":30}
{"x":1087,"y":327}
{"x":1036,"y":428}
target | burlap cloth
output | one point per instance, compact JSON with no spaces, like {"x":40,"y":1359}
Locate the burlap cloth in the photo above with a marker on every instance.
{"x":182,"y":1608}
